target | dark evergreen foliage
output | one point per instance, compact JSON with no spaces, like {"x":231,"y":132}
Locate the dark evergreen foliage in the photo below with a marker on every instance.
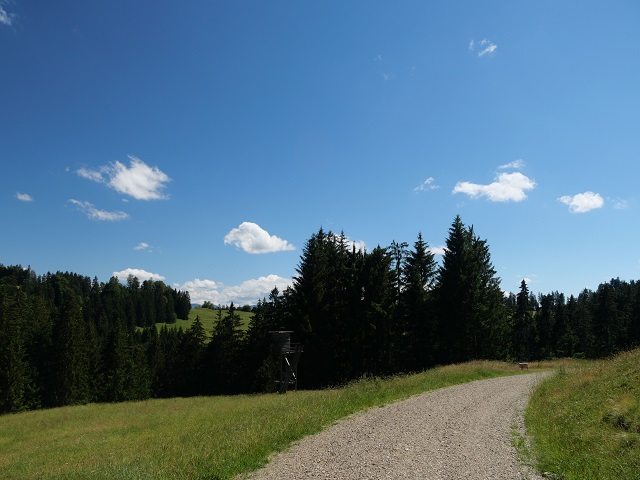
{"x":66,"y":339}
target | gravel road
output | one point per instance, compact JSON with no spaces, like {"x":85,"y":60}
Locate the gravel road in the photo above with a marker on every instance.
{"x":460,"y":432}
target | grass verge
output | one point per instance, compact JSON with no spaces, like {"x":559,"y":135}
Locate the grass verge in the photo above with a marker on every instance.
{"x":203,"y":437}
{"x":585,"y":421}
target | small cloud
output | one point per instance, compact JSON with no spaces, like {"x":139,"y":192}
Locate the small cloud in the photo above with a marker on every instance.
{"x":427,"y":185}
{"x":582,"y":202}
{"x":6,"y":18}
{"x":143,"y":246}
{"x":95,"y":214}
{"x":516,"y":164}
{"x":139,"y":180}
{"x":508,"y":187}
{"x":620,"y":204}
{"x":24,"y":197}
{"x":388,"y":76}
{"x":141,"y":275}
{"x":438,"y":250}
{"x":93,"y":175}
{"x":253,"y":239}
{"x":378,"y":58}
{"x":490,"y":49}
{"x":485,"y":47}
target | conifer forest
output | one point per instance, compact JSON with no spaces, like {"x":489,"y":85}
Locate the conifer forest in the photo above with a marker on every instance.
{"x":66,"y":339}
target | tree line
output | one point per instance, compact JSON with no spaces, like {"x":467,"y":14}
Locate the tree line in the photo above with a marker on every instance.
{"x":66,"y":340}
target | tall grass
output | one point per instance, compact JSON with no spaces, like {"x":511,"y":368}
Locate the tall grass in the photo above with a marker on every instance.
{"x":585,"y":421}
{"x":203,"y":437}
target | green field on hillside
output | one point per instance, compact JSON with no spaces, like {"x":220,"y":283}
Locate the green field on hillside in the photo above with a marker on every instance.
{"x":201,"y":437}
{"x":208,"y":317}
{"x":585,"y":421}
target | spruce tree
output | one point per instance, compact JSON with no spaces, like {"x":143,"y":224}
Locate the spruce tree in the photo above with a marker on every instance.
{"x":418,"y":276}
{"x":523,"y":326}
{"x":72,"y":366}
{"x":470,"y":306}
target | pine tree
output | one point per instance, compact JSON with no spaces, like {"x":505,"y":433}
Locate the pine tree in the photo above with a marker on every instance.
{"x":470,"y":306}
{"x":523,"y":326}
{"x":223,"y":353}
{"x":418,"y":275}
{"x":14,"y":374}
{"x":72,"y":374}
{"x":377,"y":304}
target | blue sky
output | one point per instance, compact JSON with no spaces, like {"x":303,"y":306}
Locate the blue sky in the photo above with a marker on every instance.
{"x":202,"y":143}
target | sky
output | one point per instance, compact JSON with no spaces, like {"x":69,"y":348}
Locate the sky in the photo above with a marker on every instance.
{"x":203,"y":143}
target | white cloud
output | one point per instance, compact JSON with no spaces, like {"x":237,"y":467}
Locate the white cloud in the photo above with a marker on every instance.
{"x":253,"y":239}
{"x":508,"y":187}
{"x":485,"y":47}
{"x":143,"y":246}
{"x":438,"y":250}
{"x":620,"y":204}
{"x":582,"y":202}
{"x":139,"y":180}
{"x":95,"y":214}
{"x":427,"y":185}
{"x":6,"y":18}
{"x":247,"y":293}
{"x":141,"y":275}
{"x":490,"y":49}
{"x":24,"y":197}
{"x":92,"y":175}
{"x":516,"y":164}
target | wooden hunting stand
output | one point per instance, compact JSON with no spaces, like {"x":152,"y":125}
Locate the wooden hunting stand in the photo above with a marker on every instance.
{"x":289,"y":354}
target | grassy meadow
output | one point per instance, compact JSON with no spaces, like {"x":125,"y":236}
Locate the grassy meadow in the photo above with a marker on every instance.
{"x":585,"y":420}
{"x":208,"y":317}
{"x":201,"y":437}
{"x":584,"y":423}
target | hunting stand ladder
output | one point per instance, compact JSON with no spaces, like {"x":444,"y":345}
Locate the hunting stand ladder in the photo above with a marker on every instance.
{"x":289,"y":354}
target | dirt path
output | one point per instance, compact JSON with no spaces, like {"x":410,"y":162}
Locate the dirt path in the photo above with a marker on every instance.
{"x":460,"y":432}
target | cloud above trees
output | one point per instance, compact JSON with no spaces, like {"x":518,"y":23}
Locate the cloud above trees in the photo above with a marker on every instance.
{"x":247,"y":293}
{"x":507,"y":187}
{"x":141,"y":275}
{"x":253,"y":239}
{"x":582,"y":202}
{"x":139,"y":180}
{"x":96,"y":214}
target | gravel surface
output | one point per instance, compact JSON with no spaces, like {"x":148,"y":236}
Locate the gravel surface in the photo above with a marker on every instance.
{"x":460,"y":432}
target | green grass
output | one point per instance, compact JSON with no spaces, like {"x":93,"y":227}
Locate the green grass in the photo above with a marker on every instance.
{"x":585,"y":420}
{"x":208,"y":317}
{"x":203,"y":437}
